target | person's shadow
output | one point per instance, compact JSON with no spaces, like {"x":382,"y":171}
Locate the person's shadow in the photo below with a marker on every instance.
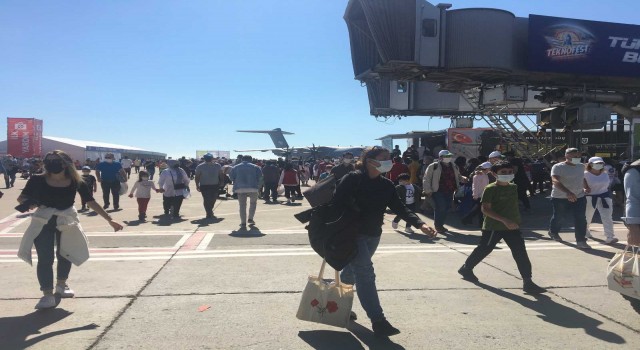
{"x":14,"y":331}
{"x":558,"y":314}
{"x":204,"y":222}
{"x":324,"y":339}
{"x":249,"y":232}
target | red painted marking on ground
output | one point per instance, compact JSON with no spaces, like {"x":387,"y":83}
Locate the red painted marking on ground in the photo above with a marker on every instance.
{"x":193,"y":241}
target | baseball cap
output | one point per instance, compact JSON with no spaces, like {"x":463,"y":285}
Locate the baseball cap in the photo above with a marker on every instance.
{"x":86,"y":168}
{"x":486,"y":165}
{"x":571,"y":150}
{"x":444,"y":153}
{"x":208,"y":156}
{"x":594,"y":160}
{"x":495,"y":154}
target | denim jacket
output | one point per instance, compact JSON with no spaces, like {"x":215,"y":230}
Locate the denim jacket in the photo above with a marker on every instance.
{"x":245,"y":176}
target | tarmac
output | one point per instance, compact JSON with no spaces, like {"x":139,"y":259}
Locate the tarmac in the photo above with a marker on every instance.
{"x":195,"y":284}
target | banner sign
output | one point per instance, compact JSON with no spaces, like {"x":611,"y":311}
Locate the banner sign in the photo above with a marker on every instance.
{"x":24,"y":137}
{"x":573,"y":46}
{"x":216,"y":154}
{"x":471,"y":143}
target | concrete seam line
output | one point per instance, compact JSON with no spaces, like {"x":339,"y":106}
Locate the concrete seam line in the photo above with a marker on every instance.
{"x":135,"y":297}
{"x":285,"y":292}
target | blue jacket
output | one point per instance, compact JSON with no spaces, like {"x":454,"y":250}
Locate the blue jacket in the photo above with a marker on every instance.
{"x":245,"y":176}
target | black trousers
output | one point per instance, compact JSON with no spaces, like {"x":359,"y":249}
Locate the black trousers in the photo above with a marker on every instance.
{"x":411,"y":207}
{"x":289,"y":191}
{"x":113,"y":188}
{"x":209,"y":197}
{"x":522,"y":195}
{"x":175,"y":202}
{"x":270,"y":190}
{"x":475,"y":211}
{"x":515,"y":242}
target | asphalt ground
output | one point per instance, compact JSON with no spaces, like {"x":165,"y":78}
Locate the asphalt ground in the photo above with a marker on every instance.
{"x":195,"y":284}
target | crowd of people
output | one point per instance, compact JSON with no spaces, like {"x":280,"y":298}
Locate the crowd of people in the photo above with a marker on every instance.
{"x":490,"y":186}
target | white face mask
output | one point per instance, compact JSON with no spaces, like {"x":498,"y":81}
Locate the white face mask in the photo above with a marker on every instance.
{"x":598,"y":166}
{"x":347,"y":160}
{"x":385,"y":166}
{"x":144,"y":178}
{"x":505,"y":178}
{"x":576,"y":161}
{"x":109,"y":160}
{"x":446,"y":160}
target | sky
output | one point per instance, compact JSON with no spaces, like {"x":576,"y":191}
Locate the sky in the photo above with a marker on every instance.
{"x":180,"y":76}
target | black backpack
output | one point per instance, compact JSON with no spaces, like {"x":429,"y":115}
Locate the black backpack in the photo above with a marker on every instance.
{"x":332,"y":233}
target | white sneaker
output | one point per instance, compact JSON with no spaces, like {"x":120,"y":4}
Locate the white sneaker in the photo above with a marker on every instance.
{"x":46,"y":302}
{"x":408,"y":230}
{"x":394,"y":225}
{"x":64,"y":291}
{"x":611,"y":240}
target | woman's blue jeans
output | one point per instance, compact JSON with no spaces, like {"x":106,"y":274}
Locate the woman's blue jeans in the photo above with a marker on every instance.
{"x":47,"y":240}
{"x":442,"y":205}
{"x":360,"y":272}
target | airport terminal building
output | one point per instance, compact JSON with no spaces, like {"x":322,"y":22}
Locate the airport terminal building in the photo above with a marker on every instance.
{"x":81,"y":150}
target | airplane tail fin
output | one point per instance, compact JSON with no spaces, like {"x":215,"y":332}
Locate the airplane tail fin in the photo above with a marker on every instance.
{"x":278,"y":139}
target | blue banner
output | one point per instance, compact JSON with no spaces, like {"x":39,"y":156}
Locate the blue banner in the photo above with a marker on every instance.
{"x":573,"y":46}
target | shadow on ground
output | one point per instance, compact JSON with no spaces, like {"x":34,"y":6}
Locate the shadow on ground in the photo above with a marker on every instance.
{"x":559,"y":315}
{"x":14,"y":331}
{"x":324,"y":339}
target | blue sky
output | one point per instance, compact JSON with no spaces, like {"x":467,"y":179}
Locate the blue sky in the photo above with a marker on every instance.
{"x":177,"y":76}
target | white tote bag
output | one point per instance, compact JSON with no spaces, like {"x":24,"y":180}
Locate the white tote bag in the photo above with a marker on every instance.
{"x":635,"y":273}
{"x":326,"y":302}
{"x":620,"y":272}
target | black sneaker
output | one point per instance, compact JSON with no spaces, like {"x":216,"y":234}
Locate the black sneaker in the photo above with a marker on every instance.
{"x":105,"y":206}
{"x":467,"y":274}
{"x":251,"y":222}
{"x":555,"y":237}
{"x":384,"y":329}
{"x":353,"y":316}
{"x":531,"y":288}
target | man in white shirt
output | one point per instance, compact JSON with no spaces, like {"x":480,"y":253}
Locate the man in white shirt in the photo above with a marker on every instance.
{"x":126,"y":165}
{"x":568,"y":197}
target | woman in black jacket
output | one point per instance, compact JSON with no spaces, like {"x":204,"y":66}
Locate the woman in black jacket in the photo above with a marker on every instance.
{"x":368,"y":194}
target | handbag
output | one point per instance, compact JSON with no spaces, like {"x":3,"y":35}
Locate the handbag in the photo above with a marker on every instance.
{"x":327,"y":302}
{"x":620,"y":276}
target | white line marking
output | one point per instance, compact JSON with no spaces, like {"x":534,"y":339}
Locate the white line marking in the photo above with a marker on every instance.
{"x":182,"y":240}
{"x":205,"y":241}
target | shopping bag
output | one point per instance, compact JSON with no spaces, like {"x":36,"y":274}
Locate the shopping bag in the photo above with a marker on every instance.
{"x":635,"y":273}
{"x":327,"y":302}
{"x":620,"y":272}
{"x":124,"y":188}
{"x":281,"y":190}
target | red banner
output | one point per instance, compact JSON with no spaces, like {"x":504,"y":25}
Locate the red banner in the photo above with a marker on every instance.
{"x":24,"y":137}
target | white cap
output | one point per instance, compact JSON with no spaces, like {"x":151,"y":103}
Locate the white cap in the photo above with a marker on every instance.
{"x":594,"y":160}
{"x":444,"y":152}
{"x":495,"y":154}
{"x":486,"y":165}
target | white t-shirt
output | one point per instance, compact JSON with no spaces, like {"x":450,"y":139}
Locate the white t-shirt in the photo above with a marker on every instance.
{"x":598,"y":184}
{"x":126,"y":163}
{"x":571,"y":176}
{"x":410,"y":195}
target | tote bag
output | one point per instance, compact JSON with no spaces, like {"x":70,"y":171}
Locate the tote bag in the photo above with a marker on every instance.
{"x":326,"y":302}
{"x":620,"y":272}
